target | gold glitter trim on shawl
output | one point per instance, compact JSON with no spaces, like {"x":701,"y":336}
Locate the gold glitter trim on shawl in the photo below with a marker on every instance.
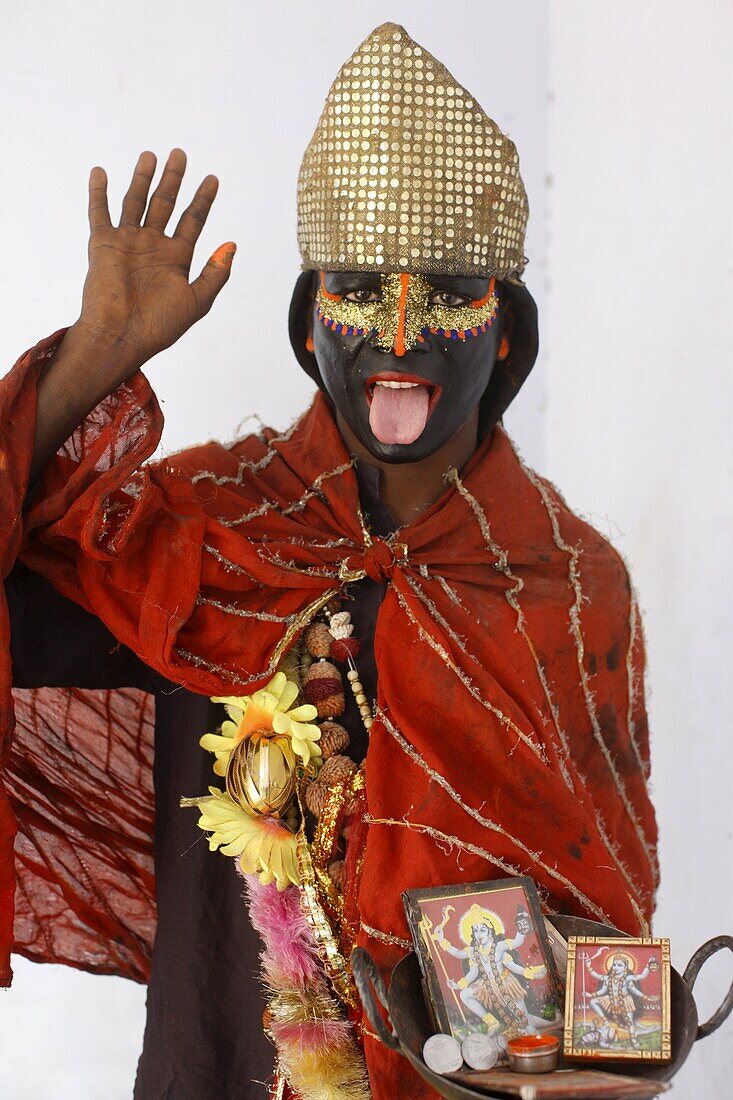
{"x":512,"y":597}
{"x":385,"y":937}
{"x":242,"y":613}
{"x":487,"y":823}
{"x":277,"y":559}
{"x":449,"y":591}
{"x":576,"y":630}
{"x":274,"y":557}
{"x":468,"y":683}
{"x":425,"y":600}
{"x":502,"y":563}
{"x":405,"y":172}
{"x":300,"y":622}
{"x":296,"y":506}
{"x":296,"y":624}
{"x":228,"y":565}
{"x":633,"y":681}
{"x":253,"y":466}
{"x":239,"y":677}
{"x":445,"y":840}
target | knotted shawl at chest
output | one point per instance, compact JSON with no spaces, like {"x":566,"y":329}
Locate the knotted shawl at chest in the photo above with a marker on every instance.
{"x":510,"y":733}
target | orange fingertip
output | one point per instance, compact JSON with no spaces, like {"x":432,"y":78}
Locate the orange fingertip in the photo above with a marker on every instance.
{"x":224,"y":255}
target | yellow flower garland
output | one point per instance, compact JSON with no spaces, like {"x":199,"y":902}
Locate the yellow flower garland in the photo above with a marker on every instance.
{"x":265,"y":845}
{"x":268,"y":708}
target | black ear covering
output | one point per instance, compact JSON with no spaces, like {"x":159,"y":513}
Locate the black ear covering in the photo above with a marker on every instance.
{"x":509,"y":375}
{"x":299,"y":321}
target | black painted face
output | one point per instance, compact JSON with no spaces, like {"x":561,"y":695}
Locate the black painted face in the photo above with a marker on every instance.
{"x":405,"y":358}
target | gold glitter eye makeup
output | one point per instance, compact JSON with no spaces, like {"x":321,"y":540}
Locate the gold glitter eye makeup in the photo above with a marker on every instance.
{"x":406,"y":311}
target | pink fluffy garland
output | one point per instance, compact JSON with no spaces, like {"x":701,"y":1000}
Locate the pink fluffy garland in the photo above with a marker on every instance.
{"x":290,"y":954}
{"x":316,"y":1045}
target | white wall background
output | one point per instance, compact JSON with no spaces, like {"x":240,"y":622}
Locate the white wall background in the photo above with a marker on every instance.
{"x":637,"y":361}
{"x":622,"y":118}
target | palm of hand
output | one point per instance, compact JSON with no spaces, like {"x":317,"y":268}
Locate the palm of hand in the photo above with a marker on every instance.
{"x":137,"y":295}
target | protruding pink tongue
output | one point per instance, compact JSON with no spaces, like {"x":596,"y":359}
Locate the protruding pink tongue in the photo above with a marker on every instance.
{"x":399,"y":416}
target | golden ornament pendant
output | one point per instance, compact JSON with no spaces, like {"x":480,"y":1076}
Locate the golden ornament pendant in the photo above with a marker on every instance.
{"x":261,"y":773}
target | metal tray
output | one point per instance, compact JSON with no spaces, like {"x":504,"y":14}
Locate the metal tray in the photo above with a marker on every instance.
{"x":408,"y":1025}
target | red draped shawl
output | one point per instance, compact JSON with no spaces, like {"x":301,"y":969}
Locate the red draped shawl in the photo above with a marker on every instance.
{"x":510,"y":736}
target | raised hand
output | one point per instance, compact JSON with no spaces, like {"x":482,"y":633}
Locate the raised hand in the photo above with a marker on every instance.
{"x":137,"y":296}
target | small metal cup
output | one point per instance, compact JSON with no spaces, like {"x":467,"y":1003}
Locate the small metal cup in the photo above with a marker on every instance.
{"x":534,"y":1053}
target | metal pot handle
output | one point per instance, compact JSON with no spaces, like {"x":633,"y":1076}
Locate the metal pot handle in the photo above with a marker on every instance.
{"x":368,"y":982}
{"x":690,"y":976}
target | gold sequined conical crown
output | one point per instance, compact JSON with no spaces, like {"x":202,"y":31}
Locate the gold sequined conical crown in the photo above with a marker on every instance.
{"x":405,"y":172}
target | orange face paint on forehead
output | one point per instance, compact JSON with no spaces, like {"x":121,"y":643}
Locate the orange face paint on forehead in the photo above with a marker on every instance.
{"x":404,"y":313}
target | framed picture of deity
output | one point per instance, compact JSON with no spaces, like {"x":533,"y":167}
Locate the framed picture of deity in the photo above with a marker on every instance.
{"x":485,"y":958}
{"x":617,"y":1000}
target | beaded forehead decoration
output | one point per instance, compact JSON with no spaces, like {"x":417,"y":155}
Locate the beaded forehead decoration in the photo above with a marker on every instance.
{"x":405,"y":172}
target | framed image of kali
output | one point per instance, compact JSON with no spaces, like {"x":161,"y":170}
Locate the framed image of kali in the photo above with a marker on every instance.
{"x":617,"y":999}
{"x":485,"y":958}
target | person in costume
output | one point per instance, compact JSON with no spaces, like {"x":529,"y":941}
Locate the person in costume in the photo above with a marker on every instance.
{"x":433,"y":670}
